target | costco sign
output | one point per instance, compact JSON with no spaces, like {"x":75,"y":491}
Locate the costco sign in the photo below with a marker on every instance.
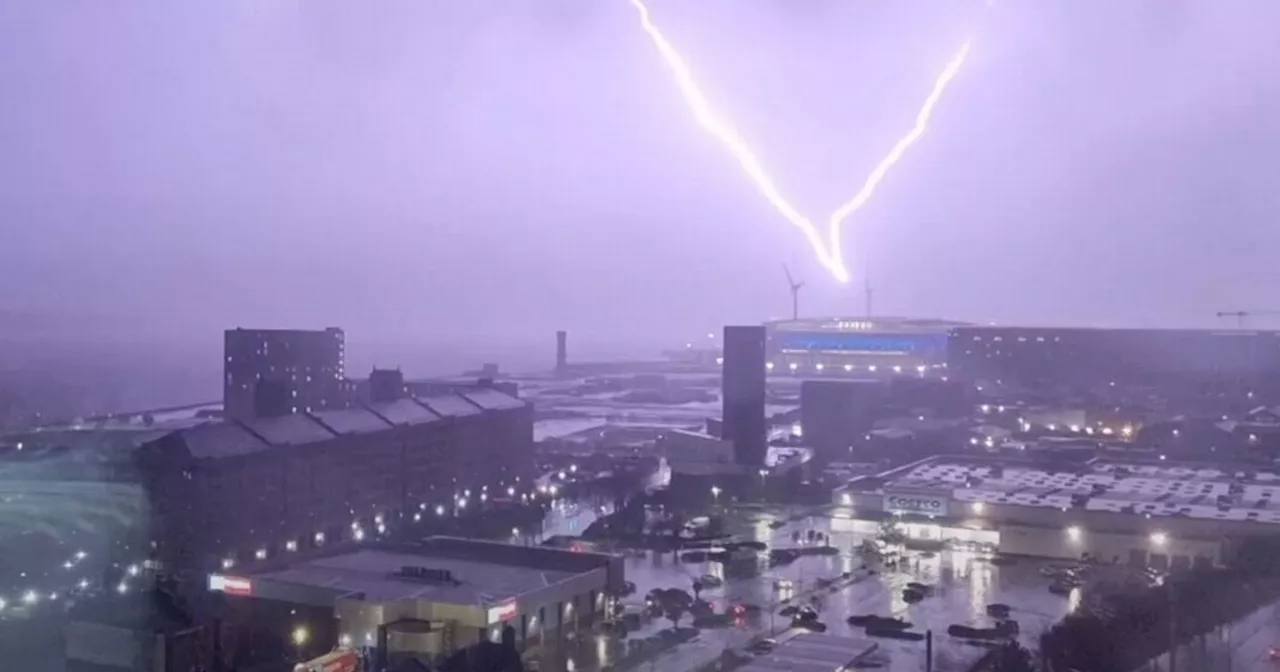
{"x":924,"y":504}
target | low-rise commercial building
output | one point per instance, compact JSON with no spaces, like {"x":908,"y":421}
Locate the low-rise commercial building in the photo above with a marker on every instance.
{"x":429,"y":599}
{"x":1160,"y":514}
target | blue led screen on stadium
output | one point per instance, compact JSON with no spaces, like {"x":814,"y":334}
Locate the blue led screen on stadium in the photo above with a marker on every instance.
{"x":917,"y":344}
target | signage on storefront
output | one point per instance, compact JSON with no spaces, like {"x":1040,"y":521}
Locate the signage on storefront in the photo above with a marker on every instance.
{"x":503,"y":612}
{"x":922,"y":504}
{"x":342,"y":660}
{"x":231,"y":585}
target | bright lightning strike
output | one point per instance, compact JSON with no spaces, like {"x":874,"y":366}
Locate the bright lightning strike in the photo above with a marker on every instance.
{"x":836,"y":223}
{"x":829,"y":252}
{"x":725,"y":132}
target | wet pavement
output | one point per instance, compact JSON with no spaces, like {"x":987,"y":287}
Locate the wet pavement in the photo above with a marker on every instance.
{"x":964,"y":584}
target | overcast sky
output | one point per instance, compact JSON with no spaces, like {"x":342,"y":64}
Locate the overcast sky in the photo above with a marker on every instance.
{"x":415,"y":169}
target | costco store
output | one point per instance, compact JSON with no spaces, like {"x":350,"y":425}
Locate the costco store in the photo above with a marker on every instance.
{"x":1162,"y":515}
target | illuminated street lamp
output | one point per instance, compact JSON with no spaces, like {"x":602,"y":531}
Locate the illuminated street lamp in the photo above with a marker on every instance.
{"x":300,"y":637}
{"x":715,"y":493}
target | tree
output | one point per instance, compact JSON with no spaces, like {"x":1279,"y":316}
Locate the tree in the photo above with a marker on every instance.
{"x":1013,"y":657}
{"x":674,"y":603}
{"x":674,"y":612}
{"x":891,"y":533}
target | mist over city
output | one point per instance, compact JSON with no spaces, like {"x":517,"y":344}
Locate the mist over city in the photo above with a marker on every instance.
{"x":639,"y":334}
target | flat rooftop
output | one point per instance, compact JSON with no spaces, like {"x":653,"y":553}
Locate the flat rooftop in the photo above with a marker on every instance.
{"x":1191,"y":491}
{"x":812,"y":652}
{"x":376,"y":573}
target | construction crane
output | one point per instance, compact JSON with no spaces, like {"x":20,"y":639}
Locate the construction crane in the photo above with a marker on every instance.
{"x":795,"y":293}
{"x":1242,"y":316}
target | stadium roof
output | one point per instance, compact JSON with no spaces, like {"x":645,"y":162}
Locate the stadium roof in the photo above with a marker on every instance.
{"x":867,"y":325}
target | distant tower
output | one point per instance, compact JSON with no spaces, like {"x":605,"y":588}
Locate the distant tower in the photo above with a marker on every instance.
{"x":386,"y":385}
{"x":562,"y":350}
{"x":308,"y":364}
{"x":866,"y":287}
{"x":743,"y":394}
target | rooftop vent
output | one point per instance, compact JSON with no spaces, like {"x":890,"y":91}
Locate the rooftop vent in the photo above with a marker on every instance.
{"x":427,"y":575}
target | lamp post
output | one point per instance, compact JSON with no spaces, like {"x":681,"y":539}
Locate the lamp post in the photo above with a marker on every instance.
{"x":715,"y":494}
{"x":300,"y":637}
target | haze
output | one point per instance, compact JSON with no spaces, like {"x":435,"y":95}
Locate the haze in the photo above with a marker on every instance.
{"x":428,"y":174}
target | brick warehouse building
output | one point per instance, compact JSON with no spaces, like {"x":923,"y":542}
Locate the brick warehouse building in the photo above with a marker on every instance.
{"x":229,"y":492}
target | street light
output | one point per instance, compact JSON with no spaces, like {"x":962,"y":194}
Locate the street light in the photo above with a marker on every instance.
{"x":715,"y":492}
{"x":300,"y":637}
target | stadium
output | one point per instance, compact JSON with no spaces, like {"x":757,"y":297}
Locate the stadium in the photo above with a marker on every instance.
{"x":857,"y":347}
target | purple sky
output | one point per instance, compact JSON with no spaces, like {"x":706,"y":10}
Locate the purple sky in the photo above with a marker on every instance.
{"x":417,"y":169}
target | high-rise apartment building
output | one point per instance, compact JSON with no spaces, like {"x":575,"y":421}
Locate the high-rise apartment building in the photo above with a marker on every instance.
{"x":305,"y":367}
{"x":743,"y":393}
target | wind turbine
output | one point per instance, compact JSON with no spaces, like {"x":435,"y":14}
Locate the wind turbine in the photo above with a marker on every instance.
{"x":795,"y":293}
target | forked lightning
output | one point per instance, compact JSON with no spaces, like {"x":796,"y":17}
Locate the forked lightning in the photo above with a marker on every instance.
{"x":829,"y":250}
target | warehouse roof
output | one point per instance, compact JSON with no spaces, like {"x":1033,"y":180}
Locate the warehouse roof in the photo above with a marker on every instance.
{"x":231,"y":438}
{"x":451,"y":405}
{"x":354,"y":421}
{"x":405,"y":412}
{"x":289,"y":430}
{"x":375,"y":574}
{"x":1164,"y":489}
{"x":489,"y":398}
{"x":480,"y":573}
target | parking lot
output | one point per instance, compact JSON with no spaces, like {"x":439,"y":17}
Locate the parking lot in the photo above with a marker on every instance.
{"x":963,"y":583}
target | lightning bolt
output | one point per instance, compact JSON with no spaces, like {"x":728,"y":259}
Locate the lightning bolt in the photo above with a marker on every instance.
{"x":830,"y":251}
{"x":724,"y":131}
{"x":877,"y":175}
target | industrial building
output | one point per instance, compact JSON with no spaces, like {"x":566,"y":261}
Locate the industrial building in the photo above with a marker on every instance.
{"x":282,"y":371}
{"x":222,"y":494}
{"x":1097,"y":358}
{"x":1160,"y":514}
{"x":838,"y":415}
{"x":427,"y":599}
{"x":857,"y":347}
{"x":743,"y":394}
